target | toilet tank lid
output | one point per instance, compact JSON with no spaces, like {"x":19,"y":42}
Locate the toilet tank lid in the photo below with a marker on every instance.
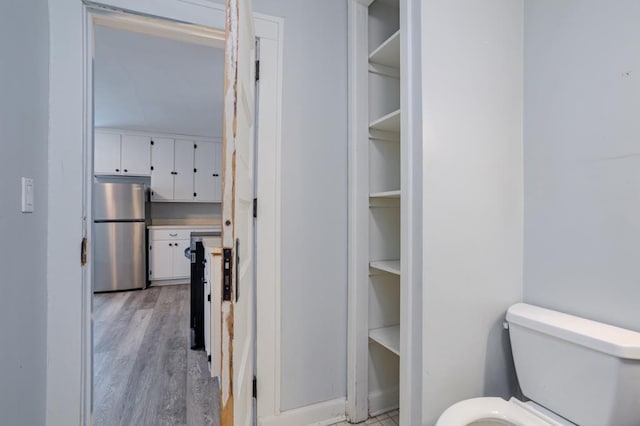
{"x":606,"y":338}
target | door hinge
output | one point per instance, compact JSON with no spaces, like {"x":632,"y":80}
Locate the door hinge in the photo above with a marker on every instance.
{"x":209,"y":358}
{"x":208,"y":298}
{"x":83,"y":252}
{"x":255,"y":387}
{"x":226,"y":274}
{"x":255,"y":207}
{"x":257,"y":70}
{"x":151,"y":141}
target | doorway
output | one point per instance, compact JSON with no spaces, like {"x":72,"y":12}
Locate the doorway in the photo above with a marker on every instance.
{"x":69,"y":340}
{"x":157,"y":129}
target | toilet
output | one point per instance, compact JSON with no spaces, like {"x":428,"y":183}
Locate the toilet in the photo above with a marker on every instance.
{"x":572,"y":371}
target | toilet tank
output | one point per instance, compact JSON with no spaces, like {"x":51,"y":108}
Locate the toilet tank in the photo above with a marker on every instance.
{"x":585,"y":371}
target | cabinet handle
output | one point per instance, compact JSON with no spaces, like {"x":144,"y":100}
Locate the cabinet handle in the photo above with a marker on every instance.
{"x":125,"y":170}
{"x":175,"y":244}
{"x":215,"y":175}
{"x":117,"y":170}
{"x":195,"y":170}
{"x":173,"y":235}
{"x":195,"y":194}
{"x":170,"y":245}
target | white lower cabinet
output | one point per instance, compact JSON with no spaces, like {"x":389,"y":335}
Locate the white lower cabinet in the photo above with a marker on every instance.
{"x":166,"y":254}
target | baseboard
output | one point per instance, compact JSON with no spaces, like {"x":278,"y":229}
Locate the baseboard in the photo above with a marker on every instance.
{"x":383,"y":400}
{"x":321,"y":414}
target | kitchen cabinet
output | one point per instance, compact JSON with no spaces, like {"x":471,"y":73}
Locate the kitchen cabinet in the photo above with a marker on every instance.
{"x":185,"y":170}
{"x":207,"y":185}
{"x":162,"y":152}
{"x":119,"y":154}
{"x":135,"y":155}
{"x":106,"y":153}
{"x":166,"y":254}
{"x":182,"y":169}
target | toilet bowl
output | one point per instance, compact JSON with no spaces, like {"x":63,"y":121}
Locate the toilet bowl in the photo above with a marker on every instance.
{"x":491,"y":411}
{"x":569,"y":368}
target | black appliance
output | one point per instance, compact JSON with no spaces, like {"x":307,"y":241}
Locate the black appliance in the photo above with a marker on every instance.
{"x":196,"y":253}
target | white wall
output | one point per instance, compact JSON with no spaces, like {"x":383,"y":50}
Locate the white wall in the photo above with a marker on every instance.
{"x":472,"y":168}
{"x":24,"y":43}
{"x":582,"y":158}
{"x":314,"y":200}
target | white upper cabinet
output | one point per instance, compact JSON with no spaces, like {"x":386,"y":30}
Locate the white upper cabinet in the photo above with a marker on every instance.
{"x":183,"y":170}
{"x":162,"y":169}
{"x":207,"y":172}
{"x":106,"y":153}
{"x":135,"y":155}
{"x":120,"y":154}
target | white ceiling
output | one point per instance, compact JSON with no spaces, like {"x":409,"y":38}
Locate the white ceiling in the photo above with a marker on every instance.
{"x":144,"y":82}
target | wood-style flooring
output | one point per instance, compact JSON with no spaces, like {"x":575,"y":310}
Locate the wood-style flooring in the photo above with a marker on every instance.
{"x":143,"y":369}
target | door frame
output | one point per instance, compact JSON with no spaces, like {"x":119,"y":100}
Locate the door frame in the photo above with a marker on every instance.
{"x":69,"y":313}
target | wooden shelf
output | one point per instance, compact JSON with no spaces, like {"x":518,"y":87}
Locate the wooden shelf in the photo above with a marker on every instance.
{"x":388,"y":53}
{"x":385,"y":194}
{"x":388,"y":337}
{"x":390,"y":266}
{"x":388,"y":123}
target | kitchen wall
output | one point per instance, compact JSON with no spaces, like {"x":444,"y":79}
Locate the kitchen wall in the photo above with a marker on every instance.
{"x":472,"y":199}
{"x":314,"y":200}
{"x":185,"y":213}
{"x":582,"y":158}
{"x":24,"y":43}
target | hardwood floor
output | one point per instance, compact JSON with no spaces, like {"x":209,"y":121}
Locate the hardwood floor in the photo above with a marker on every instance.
{"x":144,"y":371}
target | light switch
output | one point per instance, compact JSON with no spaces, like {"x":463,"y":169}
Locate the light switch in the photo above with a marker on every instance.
{"x":27,"y":195}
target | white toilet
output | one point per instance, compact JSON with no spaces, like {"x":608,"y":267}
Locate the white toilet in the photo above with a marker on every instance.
{"x":575,"y":372}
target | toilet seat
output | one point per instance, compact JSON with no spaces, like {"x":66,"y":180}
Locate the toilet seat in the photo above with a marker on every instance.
{"x":512,"y":412}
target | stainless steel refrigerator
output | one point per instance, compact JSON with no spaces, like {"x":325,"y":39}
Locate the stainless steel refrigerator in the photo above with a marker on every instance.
{"x":119,"y":236}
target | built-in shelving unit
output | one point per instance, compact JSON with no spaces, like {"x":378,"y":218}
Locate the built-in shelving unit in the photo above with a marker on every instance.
{"x":375,"y":214}
{"x":385,"y":191}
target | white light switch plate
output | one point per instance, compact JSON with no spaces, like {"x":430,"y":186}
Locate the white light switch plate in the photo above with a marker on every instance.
{"x":27,"y":195}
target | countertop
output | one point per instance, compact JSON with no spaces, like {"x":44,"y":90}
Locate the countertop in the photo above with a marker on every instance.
{"x":198,"y":227}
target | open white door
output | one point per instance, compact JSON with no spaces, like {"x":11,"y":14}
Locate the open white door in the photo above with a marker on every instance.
{"x":237,"y":216}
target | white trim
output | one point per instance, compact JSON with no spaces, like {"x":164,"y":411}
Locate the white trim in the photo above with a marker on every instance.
{"x":268,"y":222}
{"x":70,"y":158}
{"x":321,"y":414}
{"x":358,"y":227}
{"x":411,"y":280}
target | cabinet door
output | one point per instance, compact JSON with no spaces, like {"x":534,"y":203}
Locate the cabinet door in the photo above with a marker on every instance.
{"x":136,"y":155}
{"x":207,"y":174}
{"x":161,"y":260}
{"x":181,"y":265}
{"x":162,"y":172}
{"x":106,"y":153}
{"x":183,"y":167}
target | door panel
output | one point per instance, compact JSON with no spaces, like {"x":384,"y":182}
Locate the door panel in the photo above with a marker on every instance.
{"x":237,"y":208}
{"x":136,"y":155}
{"x":204,"y":179}
{"x":162,"y":173}
{"x":183,"y":167}
{"x":161,"y":264}
{"x":181,"y":265}
{"x":106,"y":153}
